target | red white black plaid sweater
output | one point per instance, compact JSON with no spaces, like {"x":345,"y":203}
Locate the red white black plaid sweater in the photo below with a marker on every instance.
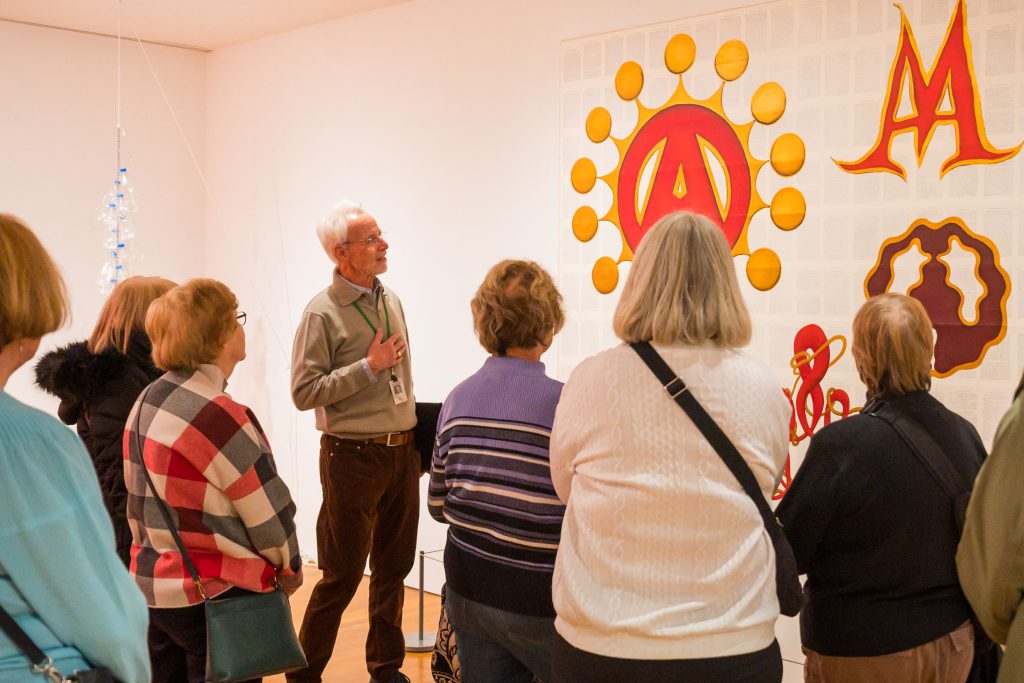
{"x":211,"y":463}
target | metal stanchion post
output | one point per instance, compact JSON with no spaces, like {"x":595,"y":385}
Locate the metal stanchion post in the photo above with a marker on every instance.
{"x":420,"y":642}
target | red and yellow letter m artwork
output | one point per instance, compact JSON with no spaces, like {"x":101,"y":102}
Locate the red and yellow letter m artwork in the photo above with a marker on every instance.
{"x":951,"y":80}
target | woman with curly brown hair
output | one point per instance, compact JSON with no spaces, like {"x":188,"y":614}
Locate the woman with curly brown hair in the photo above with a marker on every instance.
{"x":490,"y":481}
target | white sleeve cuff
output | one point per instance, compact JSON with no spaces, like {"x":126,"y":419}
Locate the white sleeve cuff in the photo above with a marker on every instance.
{"x":368,"y":371}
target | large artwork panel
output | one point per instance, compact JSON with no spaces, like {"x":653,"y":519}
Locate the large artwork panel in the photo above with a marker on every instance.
{"x":846,"y":148}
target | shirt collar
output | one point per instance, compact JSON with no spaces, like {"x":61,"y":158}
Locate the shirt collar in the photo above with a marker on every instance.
{"x":345,"y":291}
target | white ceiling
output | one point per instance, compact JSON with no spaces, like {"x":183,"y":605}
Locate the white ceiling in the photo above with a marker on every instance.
{"x":197,"y":24}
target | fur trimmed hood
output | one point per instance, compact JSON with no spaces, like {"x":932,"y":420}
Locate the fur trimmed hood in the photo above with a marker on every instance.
{"x":74,"y":374}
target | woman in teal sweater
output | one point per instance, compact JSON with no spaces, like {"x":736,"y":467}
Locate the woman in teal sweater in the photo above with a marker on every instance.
{"x":60,"y":577}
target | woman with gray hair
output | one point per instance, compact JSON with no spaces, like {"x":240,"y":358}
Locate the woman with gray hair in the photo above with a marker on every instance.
{"x":665,"y":570}
{"x":873,"y":525}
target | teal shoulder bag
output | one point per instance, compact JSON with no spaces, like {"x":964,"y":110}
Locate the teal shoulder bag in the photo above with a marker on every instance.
{"x":247,"y":636}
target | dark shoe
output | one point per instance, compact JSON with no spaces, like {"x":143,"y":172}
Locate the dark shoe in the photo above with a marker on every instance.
{"x":397,"y":677}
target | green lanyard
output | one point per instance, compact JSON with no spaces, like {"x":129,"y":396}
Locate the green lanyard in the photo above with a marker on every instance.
{"x":387,"y":318}
{"x":387,"y":321}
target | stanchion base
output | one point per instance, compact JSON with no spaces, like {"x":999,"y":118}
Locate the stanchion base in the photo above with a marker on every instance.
{"x":415,"y":643}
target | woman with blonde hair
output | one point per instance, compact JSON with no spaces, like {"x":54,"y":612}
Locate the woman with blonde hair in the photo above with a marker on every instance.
{"x":665,"y":569}
{"x":872,"y":524}
{"x":98,"y":381}
{"x":490,"y":481}
{"x":200,"y":456}
{"x":60,"y":578}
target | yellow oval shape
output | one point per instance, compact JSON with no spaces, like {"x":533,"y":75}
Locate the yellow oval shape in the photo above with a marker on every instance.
{"x":584,"y":175}
{"x":599,"y":125}
{"x":629,"y":81}
{"x":731,"y":60}
{"x":584,"y":223}
{"x":680,"y":53}
{"x":764,"y":269}
{"x":787,"y":155}
{"x":788,"y":208}
{"x":605,"y":275}
{"x":768,"y":103}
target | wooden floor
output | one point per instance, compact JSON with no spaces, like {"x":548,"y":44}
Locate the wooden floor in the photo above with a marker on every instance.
{"x":348,"y":665}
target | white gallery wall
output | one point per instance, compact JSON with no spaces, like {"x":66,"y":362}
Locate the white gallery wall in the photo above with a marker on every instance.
{"x":58,"y":159}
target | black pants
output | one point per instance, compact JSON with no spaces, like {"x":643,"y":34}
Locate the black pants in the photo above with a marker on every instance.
{"x":177,"y":642}
{"x":572,"y":665}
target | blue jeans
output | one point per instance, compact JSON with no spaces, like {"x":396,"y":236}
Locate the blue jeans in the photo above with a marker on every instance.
{"x":496,"y":646}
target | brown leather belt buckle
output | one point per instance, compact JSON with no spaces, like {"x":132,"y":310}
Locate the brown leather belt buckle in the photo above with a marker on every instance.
{"x":393,"y":439}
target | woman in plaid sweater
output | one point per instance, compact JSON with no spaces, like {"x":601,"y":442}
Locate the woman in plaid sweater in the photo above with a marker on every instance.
{"x":211,"y":464}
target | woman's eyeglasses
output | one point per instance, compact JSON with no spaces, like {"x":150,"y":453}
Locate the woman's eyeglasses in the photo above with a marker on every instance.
{"x":240,"y":317}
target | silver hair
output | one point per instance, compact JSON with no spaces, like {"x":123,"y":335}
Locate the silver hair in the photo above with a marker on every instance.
{"x":333,"y":228}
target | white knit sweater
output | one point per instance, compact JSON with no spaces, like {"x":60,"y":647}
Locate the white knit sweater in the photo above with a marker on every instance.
{"x":663,"y":556}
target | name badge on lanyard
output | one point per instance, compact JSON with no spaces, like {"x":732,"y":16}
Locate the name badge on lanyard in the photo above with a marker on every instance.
{"x":397,"y":390}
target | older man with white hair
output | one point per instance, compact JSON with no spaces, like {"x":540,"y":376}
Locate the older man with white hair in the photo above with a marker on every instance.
{"x":350,"y":363}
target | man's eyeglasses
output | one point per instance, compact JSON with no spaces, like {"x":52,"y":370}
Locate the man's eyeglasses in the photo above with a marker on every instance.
{"x":240,"y":317}
{"x":371,"y":241}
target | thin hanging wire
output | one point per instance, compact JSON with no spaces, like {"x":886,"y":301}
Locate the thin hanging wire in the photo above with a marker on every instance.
{"x":282,"y":347}
{"x":120,"y":7}
{"x":118,"y":208}
{"x":118,"y":239}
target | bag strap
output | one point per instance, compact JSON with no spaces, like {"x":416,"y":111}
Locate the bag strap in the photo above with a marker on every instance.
{"x":21,"y":639}
{"x":924,"y":447}
{"x":39,"y":661}
{"x":164,"y":511}
{"x":679,"y":392}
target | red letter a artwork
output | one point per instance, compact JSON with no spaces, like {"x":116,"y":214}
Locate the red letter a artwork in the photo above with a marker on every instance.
{"x":952,"y":74}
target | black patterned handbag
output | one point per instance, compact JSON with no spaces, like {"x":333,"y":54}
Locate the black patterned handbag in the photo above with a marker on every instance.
{"x":444,"y":663}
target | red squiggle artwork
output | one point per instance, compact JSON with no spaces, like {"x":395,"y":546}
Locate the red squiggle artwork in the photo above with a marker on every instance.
{"x":812,"y":357}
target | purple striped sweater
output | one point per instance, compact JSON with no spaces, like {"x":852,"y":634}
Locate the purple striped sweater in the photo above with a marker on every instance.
{"x":490,"y":481}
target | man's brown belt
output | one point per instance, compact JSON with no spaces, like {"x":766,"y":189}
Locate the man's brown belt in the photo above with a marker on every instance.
{"x":392,"y":439}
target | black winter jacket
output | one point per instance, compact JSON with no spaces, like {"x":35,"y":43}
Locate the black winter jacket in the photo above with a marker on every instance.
{"x":96,"y":392}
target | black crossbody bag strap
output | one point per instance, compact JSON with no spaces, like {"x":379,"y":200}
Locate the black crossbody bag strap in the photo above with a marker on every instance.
{"x":927,"y":450}
{"x":21,"y":640}
{"x":787,"y":579}
{"x":707,"y":426}
{"x":164,"y":511}
{"x":924,"y":447}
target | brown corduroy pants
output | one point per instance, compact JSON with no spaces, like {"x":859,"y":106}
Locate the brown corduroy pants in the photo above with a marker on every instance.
{"x":370,"y":509}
